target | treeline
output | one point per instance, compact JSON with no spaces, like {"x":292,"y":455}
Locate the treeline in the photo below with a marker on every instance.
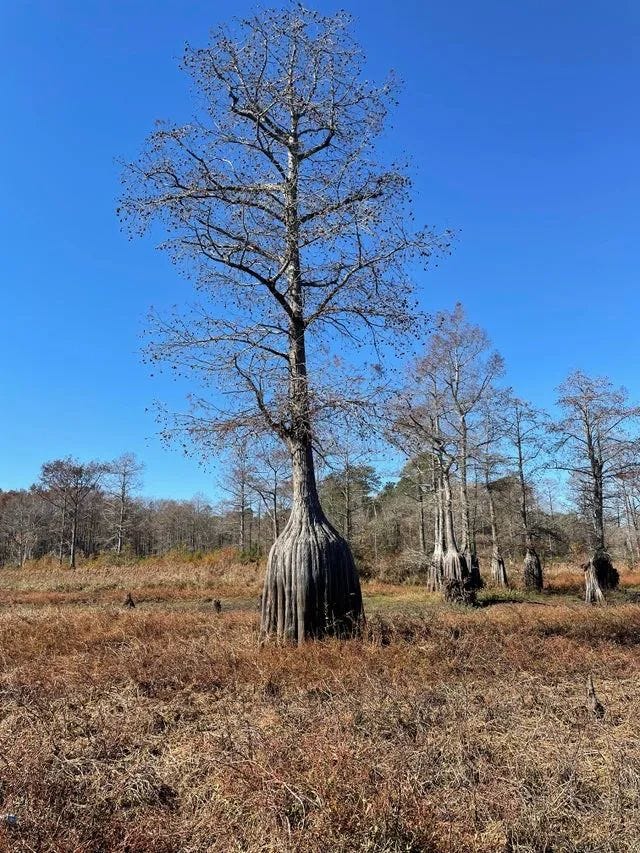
{"x":480,"y":484}
{"x":89,"y":508}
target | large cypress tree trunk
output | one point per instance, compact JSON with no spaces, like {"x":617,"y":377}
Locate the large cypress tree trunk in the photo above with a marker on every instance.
{"x":311,"y":588}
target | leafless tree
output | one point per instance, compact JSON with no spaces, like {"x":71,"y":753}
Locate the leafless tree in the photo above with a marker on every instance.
{"x":598,"y":444}
{"x":524,"y":431}
{"x":422,"y":424}
{"x":237,"y":484}
{"x":124,"y":477}
{"x":461,"y":356}
{"x":23,"y":516}
{"x":273,"y":199}
{"x":271,"y":480}
{"x":67,"y":484}
{"x":492,"y":461}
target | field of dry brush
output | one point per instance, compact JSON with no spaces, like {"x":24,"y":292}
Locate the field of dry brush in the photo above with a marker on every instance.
{"x":168,"y":728}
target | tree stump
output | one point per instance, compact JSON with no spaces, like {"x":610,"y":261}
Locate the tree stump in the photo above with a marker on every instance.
{"x":593,"y":591}
{"x":532,"y":570}
{"x":498,"y":569}
{"x":607,"y":575}
{"x":459,"y":592}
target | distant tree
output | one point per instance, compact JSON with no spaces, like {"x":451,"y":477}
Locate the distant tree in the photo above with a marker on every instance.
{"x":271,"y":480}
{"x":524,"y":431}
{"x":418,"y":482}
{"x":67,"y":484}
{"x":240,"y":473}
{"x":461,"y":356}
{"x":125,"y":477}
{"x":298,"y":239}
{"x":23,"y":521}
{"x":598,"y":444}
{"x":492,"y":461}
{"x":422,"y":416}
{"x":347,"y":491}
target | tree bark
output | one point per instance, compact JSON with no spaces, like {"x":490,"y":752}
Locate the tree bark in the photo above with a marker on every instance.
{"x":607,"y":576}
{"x":311,"y":587}
{"x":62,"y":528}
{"x":593,"y":592}
{"x":123,"y":498}
{"x":74,"y":531}
{"x":421,"y":530}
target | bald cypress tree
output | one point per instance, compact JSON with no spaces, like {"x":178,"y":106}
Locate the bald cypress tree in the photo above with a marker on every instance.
{"x":273,"y":199}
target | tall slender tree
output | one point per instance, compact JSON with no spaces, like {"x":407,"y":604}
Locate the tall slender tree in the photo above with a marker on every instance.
{"x":272,"y":197}
{"x":461,"y":356}
{"x":271,"y":480}
{"x":492,"y":463}
{"x":598,"y":444}
{"x":524,"y":430}
{"x":421,"y":415}
{"x":124,"y":476}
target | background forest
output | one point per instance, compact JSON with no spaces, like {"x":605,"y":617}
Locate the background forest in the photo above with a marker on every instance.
{"x":514,"y":472}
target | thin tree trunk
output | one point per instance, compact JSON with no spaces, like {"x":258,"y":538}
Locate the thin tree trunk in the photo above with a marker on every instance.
{"x":498,"y":570}
{"x":62,"y":526}
{"x":421,"y":521}
{"x":632,"y":527}
{"x":532,"y":573}
{"x":121,"y":519}
{"x":347,"y":502}
{"x":242,"y":533}
{"x":74,"y":530}
{"x":434,"y":580}
{"x":274,"y":516}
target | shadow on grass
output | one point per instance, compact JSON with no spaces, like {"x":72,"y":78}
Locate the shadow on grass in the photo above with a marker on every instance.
{"x":489,"y":599}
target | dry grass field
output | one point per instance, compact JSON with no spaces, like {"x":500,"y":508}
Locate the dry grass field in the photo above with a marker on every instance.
{"x":168,"y":728}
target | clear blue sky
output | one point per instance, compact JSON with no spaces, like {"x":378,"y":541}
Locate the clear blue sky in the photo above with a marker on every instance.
{"x":521,"y":117}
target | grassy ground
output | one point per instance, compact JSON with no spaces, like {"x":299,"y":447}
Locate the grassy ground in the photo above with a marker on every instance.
{"x":168,"y":728}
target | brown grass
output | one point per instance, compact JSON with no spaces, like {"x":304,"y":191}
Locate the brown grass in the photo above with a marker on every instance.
{"x":168,"y":727}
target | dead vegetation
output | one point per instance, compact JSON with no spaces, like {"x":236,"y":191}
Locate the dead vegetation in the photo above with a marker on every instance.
{"x":168,"y":727}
